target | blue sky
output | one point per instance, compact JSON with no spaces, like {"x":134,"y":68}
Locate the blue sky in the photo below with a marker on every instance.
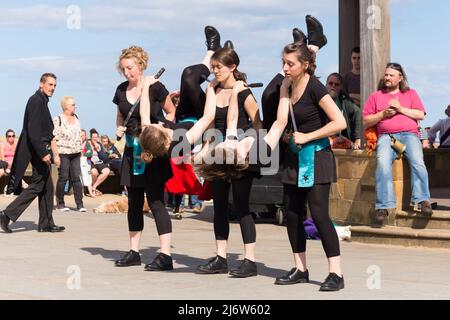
{"x":35,"y":39}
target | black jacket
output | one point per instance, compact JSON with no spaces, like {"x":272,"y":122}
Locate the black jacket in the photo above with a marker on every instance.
{"x":35,"y":138}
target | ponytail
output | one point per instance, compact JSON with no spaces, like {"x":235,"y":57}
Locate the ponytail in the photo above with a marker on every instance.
{"x":228,"y":57}
{"x":147,"y":157}
{"x":239,"y":76}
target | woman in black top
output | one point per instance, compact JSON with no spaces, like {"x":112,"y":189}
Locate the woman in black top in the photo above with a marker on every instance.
{"x":225,"y":90}
{"x":229,"y":91}
{"x":308,"y":174}
{"x":306,"y":178}
{"x":138,"y":177}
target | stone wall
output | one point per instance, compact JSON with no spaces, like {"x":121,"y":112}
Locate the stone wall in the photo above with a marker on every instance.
{"x":352,"y":198}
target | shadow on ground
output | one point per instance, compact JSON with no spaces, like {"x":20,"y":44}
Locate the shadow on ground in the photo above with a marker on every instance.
{"x":189,"y":263}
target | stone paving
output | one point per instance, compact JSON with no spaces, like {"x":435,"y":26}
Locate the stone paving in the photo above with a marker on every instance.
{"x":78,"y":263}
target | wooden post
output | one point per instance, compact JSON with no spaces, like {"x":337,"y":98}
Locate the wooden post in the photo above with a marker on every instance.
{"x":375,"y":29}
{"x":349,"y":34}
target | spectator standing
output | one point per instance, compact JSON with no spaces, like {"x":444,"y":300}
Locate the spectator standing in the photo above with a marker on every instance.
{"x":352,"y":81}
{"x":68,"y":139}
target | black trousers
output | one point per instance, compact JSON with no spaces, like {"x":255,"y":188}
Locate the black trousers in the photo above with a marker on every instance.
{"x":317,"y":198}
{"x":42,"y":187}
{"x":155,"y":200}
{"x":269,"y":101}
{"x":241,"y":197}
{"x":192,"y":96}
{"x":70,"y":167}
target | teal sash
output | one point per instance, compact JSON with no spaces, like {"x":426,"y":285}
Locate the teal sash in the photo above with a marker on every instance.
{"x":306,"y":156}
{"x":189,"y":119}
{"x":138,"y":164}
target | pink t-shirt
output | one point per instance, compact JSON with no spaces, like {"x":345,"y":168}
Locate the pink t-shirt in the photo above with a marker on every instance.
{"x":9,"y":151}
{"x":379,"y":101}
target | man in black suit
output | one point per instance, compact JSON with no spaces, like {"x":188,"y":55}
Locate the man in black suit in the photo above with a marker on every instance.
{"x":36,"y":145}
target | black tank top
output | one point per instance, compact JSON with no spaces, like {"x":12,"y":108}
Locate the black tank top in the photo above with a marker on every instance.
{"x":244,"y":121}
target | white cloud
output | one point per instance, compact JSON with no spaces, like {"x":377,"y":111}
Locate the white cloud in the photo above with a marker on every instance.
{"x":56,"y":64}
{"x":165,"y":15}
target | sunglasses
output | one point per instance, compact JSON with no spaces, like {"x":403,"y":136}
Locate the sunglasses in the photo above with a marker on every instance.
{"x":11,"y":136}
{"x":395,"y":66}
{"x":336,"y":84}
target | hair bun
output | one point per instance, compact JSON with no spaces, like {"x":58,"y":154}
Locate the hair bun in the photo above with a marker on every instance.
{"x":146,"y":157}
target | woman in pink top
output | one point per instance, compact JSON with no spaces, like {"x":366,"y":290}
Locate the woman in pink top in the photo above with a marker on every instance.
{"x":7,"y":150}
{"x":9,"y":147}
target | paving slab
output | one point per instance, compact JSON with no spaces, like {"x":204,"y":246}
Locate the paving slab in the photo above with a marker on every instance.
{"x":78,"y":263}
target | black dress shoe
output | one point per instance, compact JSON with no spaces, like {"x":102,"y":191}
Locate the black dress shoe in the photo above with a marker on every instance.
{"x":217,"y":264}
{"x":228,"y":44}
{"x":162,"y":262}
{"x":51,"y":229}
{"x":131,"y":258}
{"x":379,"y":218}
{"x":212,"y":38}
{"x":332,"y":283}
{"x":293,"y":276}
{"x":299,"y":36}
{"x":315,"y":32}
{"x":246,"y":269}
{"x":4,"y":221}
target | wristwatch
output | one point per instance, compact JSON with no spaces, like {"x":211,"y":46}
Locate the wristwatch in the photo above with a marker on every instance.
{"x":232,"y":137}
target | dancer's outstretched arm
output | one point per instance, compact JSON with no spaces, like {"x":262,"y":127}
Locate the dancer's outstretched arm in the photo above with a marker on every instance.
{"x":233,"y":111}
{"x":145,"y":108}
{"x":276,"y":130}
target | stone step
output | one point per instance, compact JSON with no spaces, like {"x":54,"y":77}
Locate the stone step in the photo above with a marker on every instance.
{"x":438,"y":220}
{"x":403,"y":236}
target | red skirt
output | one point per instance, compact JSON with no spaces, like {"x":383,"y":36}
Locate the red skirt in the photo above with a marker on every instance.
{"x":184,"y":181}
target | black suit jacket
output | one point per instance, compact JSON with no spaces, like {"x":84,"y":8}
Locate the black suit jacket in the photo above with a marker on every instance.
{"x":35,"y":138}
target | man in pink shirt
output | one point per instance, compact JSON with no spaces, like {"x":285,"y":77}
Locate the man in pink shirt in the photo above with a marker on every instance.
{"x":395,"y":109}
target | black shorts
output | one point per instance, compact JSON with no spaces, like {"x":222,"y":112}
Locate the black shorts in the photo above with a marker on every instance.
{"x":99,"y":167}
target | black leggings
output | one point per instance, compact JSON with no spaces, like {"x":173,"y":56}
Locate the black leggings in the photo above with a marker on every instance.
{"x":269,"y":101}
{"x":241,"y":197}
{"x":192,"y":96}
{"x":155,"y":199}
{"x":317,"y":198}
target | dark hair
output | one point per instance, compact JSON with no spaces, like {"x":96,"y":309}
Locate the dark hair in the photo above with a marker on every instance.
{"x":175,"y":97}
{"x":303,"y":55}
{"x":337,"y":75}
{"x":223,"y":171}
{"x":356,"y":50}
{"x":154,"y":142}
{"x":47,"y":75}
{"x":447,"y":111}
{"x":8,"y":131}
{"x":228,"y":57}
{"x":93,"y":131}
{"x":403,"y":84}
